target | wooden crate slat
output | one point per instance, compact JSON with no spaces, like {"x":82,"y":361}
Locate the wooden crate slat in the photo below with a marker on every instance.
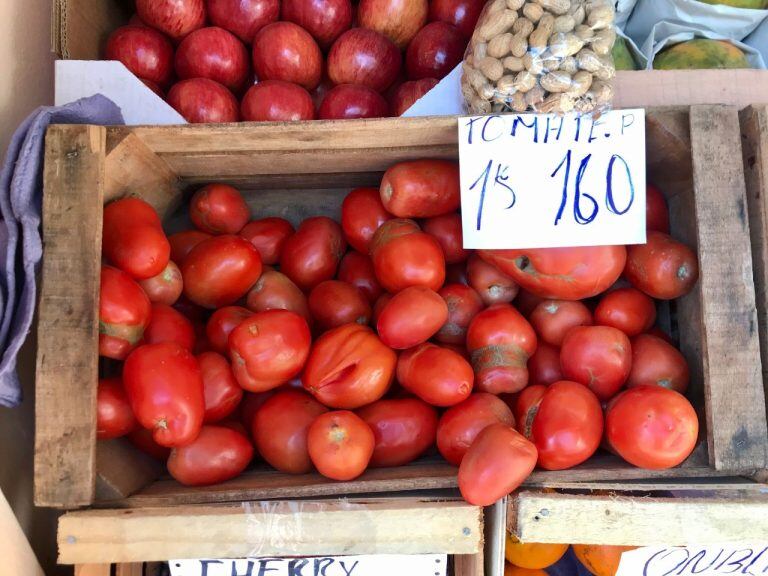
{"x":635,"y":521}
{"x":65,"y":409}
{"x":122,"y":469}
{"x":270,"y":529}
{"x":736,"y":418}
{"x":93,"y":570}
{"x":299,"y":136}
{"x":754,"y":129}
{"x":130,"y":569}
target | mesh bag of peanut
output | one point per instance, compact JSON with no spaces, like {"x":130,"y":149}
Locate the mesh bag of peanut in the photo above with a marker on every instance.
{"x":540,"y":56}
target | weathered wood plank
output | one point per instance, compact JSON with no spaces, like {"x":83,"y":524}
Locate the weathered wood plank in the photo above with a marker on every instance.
{"x":67,"y":370}
{"x":754,"y":130}
{"x":635,"y":521}
{"x":121,"y":469}
{"x":735,"y":400}
{"x":93,"y":570}
{"x":405,"y":526}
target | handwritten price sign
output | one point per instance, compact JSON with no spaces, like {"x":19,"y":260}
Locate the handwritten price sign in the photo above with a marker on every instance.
{"x":543,"y":180}
{"x":739,"y":560}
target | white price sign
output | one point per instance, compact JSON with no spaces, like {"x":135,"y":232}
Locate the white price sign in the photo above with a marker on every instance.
{"x":544,"y":181}
{"x":380,"y":565}
{"x":710,"y":560}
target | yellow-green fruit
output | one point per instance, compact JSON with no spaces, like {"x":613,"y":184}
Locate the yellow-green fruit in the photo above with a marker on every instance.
{"x":701,"y":53}
{"x":622,"y":58}
{"x":754,"y":4}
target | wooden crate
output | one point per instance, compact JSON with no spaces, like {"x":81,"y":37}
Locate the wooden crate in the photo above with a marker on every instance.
{"x":754,"y":126}
{"x":384,"y":525}
{"x":296,"y":170}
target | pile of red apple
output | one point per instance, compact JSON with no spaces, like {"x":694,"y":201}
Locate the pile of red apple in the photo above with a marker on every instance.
{"x":287,"y":60}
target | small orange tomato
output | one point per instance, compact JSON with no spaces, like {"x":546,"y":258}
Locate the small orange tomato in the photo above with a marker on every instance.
{"x":532,"y":556}
{"x":438,"y":376}
{"x":600,"y":560}
{"x":421,"y":188}
{"x":340,"y":444}
{"x":627,"y":309}
{"x":663,"y":268}
{"x":552,"y":319}
{"x":413,"y":316}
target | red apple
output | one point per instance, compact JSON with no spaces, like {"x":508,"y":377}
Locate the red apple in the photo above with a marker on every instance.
{"x":144,"y":51}
{"x":365,"y":57}
{"x":435,"y":51}
{"x":398,"y":20}
{"x":213,"y":53}
{"x":408,"y":93}
{"x":154,"y":87}
{"x":277,"y":101}
{"x":243,"y":17}
{"x":461,"y":13}
{"x":176,"y":18}
{"x":324,"y":19}
{"x":200,"y":100}
{"x":285,"y":51}
{"x":353,"y":101}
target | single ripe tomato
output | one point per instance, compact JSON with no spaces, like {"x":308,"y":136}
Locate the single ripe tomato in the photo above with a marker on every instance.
{"x":333,"y":303}
{"x":526,"y":302}
{"x":553,"y":319}
{"x":421,"y":188}
{"x":656,"y":211}
{"x":124,"y":312}
{"x":544,"y":365}
{"x":349,"y":367}
{"x":379,"y":306}
{"x":497,"y":462}
{"x":220,"y":270}
{"x":268,"y":349}
{"x":651,"y":427}
{"x":280,"y":429}
{"x":403,"y":429}
{"x":561,"y":273}
{"x":217,"y":454}
{"x":446,"y":229}
{"x":463,"y":303}
{"x":361,"y":215}
{"x":313,"y":253}
{"x":663,"y":268}
{"x":219,"y":209}
{"x":460,"y":424}
{"x":405,"y":256}
{"x":411,"y":317}
{"x":221,"y":324}
{"x":114,"y":417}
{"x":220,"y":388}
{"x":500,"y":341}
{"x":183,"y":242}
{"x":492,"y":284}
{"x":340,"y":444}
{"x":169,"y":325}
{"x":602,"y":560}
{"x":166,"y":287}
{"x":275,"y":291}
{"x":357,"y":269}
{"x":438,"y":376}
{"x":133,"y":238}
{"x":165,"y":388}
{"x":564,"y":420}
{"x":142,"y":439}
{"x":531,"y":555}
{"x":656,"y":362}
{"x":600,"y":357}
{"x":268,"y":236}
{"x":627,"y":309}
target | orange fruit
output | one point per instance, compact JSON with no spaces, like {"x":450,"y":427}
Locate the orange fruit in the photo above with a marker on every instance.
{"x":532,"y":555}
{"x":600,"y":560}
{"x":512,"y":570}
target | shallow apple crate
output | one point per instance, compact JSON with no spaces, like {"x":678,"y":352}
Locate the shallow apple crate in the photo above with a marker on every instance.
{"x":298,"y":170}
{"x":431,"y":523}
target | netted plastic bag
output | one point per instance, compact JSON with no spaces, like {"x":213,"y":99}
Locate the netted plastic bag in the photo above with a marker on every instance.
{"x":540,"y":56}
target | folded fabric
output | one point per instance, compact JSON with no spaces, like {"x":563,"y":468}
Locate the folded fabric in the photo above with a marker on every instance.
{"x":21,"y":248}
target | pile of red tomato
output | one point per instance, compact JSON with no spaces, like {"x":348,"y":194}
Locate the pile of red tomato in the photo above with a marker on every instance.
{"x":368,"y":343}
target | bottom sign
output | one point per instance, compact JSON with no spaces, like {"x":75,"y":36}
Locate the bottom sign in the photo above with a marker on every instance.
{"x":379,"y":565}
{"x":710,"y":560}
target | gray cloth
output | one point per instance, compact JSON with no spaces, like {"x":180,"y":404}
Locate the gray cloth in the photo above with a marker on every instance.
{"x":21,"y":248}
